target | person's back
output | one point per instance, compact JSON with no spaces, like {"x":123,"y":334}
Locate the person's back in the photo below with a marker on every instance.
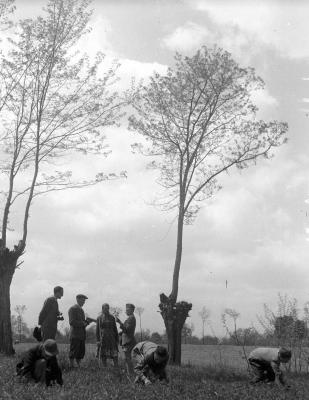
{"x":49,"y":315}
{"x":265,"y":363}
{"x":268,"y":354}
{"x":150,"y":359}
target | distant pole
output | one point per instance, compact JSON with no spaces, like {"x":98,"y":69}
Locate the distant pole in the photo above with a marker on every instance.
{"x":140,"y":311}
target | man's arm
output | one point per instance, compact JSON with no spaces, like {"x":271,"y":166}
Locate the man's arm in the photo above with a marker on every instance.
{"x":141,"y":368}
{"x":97,"y":331}
{"x":28,"y":364}
{"x":115,"y":331}
{"x":279,"y":379}
{"x":128,"y":326}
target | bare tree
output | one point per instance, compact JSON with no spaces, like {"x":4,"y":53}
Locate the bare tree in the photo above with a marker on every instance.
{"x":53,"y":102}
{"x":200,"y":122}
{"x":139,"y":312}
{"x":20,"y":309}
{"x":204,"y":314}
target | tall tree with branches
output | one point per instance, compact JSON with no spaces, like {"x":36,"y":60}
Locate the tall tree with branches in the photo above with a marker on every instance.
{"x":53,"y":101}
{"x":199,"y":121}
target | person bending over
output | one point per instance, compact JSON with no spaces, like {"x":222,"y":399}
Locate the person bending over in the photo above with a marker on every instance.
{"x":40,"y":364}
{"x":150,"y":362}
{"x":265,"y":364}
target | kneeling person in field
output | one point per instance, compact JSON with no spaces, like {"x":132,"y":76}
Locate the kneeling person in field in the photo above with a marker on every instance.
{"x":150,"y":362}
{"x":265,"y":363}
{"x":40,"y":364}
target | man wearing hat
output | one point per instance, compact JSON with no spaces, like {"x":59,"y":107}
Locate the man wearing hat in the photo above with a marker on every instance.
{"x":40,"y":364}
{"x":78,"y":325}
{"x":50,"y":315}
{"x":127,"y":335}
{"x":265,"y":364}
{"x":150,"y":362}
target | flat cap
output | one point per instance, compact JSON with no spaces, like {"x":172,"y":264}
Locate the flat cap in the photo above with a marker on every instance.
{"x":81,"y":296}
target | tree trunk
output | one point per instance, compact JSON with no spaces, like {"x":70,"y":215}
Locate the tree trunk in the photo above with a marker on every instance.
{"x":174,"y":292}
{"x":8,"y":262}
{"x":174,"y":316}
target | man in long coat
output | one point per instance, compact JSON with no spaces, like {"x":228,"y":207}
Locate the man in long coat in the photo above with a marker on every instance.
{"x":49,"y":315}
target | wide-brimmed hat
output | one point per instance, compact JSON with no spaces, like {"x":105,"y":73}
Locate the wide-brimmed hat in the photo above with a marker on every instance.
{"x":50,"y":347}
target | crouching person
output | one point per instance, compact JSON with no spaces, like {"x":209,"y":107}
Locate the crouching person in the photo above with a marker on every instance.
{"x":40,"y":364}
{"x":265,"y":364}
{"x":150,"y":362}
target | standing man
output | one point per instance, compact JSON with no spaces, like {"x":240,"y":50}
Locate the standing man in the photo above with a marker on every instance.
{"x":50,"y":315}
{"x":150,"y":363}
{"x":78,"y":325}
{"x":265,"y":364}
{"x":127,"y":335}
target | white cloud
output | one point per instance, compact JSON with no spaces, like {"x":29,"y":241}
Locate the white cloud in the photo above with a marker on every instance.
{"x":187,"y":37}
{"x":276,"y":24}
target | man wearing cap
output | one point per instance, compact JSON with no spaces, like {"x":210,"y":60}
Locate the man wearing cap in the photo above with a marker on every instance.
{"x":127,"y":335}
{"x":265,"y":364}
{"x":40,"y":364}
{"x":78,"y":325}
{"x":150,"y":362}
{"x":50,"y":315}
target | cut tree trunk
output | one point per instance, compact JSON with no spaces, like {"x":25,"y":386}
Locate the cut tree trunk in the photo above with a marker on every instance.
{"x":8,"y":262}
{"x":174,"y":316}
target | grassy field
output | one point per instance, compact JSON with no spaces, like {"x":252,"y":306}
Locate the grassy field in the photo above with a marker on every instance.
{"x":206,"y":374}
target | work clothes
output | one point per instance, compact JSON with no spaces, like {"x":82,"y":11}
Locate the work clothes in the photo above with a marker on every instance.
{"x":77,"y":323}
{"x":48,"y":318}
{"x":265,"y":364}
{"x":34,"y":365}
{"x":145,"y":366}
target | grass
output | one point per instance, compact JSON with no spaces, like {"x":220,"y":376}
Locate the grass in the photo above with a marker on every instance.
{"x":199,"y":382}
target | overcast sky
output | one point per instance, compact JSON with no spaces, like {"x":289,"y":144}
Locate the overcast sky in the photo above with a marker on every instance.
{"x":111,"y":244}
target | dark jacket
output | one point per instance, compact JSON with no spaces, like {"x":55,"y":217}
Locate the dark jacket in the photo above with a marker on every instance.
{"x":77,"y":322}
{"x":48,"y":318}
{"x":128,"y":330}
{"x":26,"y":365}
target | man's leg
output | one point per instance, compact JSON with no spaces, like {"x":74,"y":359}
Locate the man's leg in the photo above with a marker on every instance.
{"x":128,"y":361}
{"x":258,"y":370}
{"x":270,"y":375}
{"x":40,"y":371}
{"x":72,"y":352}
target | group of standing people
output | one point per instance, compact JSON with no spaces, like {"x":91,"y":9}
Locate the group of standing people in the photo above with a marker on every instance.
{"x":149,"y":358}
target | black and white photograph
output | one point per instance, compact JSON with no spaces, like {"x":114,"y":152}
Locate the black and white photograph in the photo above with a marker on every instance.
{"x":154,"y":199}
